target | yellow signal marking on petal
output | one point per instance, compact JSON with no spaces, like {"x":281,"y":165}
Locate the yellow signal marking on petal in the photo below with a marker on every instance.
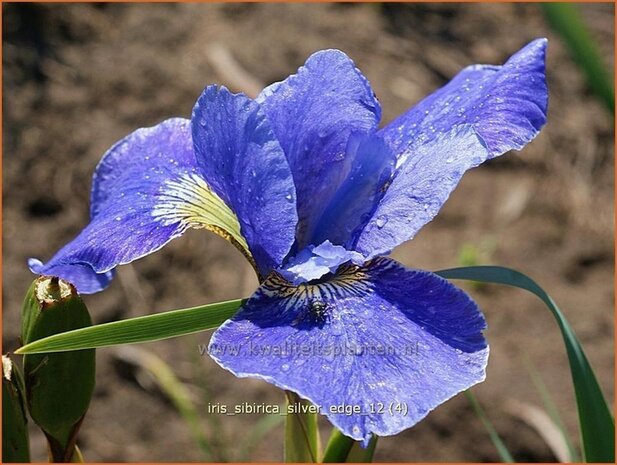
{"x":190,"y":201}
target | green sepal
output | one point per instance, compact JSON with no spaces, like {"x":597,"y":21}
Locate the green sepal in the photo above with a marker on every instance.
{"x":59,"y":386}
{"x":15,"y":439}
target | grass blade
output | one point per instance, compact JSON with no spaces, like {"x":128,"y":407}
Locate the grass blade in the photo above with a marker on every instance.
{"x":136,"y":330}
{"x":359,"y":454}
{"x":551,"y":408}
{"x":565,"y":18}
{"x":301,"y":432}
{"x":173,"y":388}
{"x":502,"y":450}
{"x":338,"y":447}
{"x":596,"y":421}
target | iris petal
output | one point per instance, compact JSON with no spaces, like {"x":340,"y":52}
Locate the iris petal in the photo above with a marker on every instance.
{"x":242,"y":160}
{"x":313,"y":113}
{"x":392,"y":342}
{"x":371,"y":168}
{"x":483,"y":112}
{"x":146,"y":191}
{"x":419,"y":189}
{"x":505,"y":104}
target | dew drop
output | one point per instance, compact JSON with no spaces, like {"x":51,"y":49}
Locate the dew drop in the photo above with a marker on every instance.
{"x":285,"y":367}
{"x":381,"y":221}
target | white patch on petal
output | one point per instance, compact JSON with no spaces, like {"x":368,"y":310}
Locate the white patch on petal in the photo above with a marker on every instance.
{"x":190,"y":201}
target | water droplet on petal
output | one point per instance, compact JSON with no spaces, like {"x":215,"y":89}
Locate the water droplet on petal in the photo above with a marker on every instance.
{"x":381,"y":221}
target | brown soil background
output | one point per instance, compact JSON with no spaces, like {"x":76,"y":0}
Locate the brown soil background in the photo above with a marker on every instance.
{"x":79,"y":77}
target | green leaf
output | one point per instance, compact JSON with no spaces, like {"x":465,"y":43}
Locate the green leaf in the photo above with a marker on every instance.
{"x":502,"y":450}
{"x":596,"y":421}
{"x":565,"y":18}
{"x":301,"y":432}
{"x":359,"y":454}
{"x":342,"y":448}
{"x":338,"y":447}
{"x":136,"y":330}
{"x":15,"y":439}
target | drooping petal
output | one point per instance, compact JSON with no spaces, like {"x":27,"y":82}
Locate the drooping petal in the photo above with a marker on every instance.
{"x":505,"y":104}
{"x":146,"y":191}
{"x":313,"y":114}
{"x":389,"y":341}
{"x":88,"y":281}
{"x":419,"y":189}
{"x":244,"y":163}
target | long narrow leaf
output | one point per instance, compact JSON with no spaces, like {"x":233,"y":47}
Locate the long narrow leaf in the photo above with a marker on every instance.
{"x":338,"y":447}
{"x":173,"y":388}
{"x":301,"y":432}
{"x":502,"y":450}
{"x":135,"y":330}
{"x":596,"y":421}
{"x":359,"y":454}
{"x":551,"y":408}
{"x":565,"y":18}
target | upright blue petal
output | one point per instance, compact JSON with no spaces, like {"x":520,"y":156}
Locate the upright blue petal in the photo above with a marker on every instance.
{"x":371,"y":168}
{"x":419,"y":189}
{"x":244,"y":163}
{"x":313,"y":113}
{"x":145,"y":193}
{"x":483,"y":112}
{"x":506,"y":105}
{"x":389,"y":342}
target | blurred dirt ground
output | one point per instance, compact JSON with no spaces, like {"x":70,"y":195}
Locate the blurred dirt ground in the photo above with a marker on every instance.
{"x":79,"y":77}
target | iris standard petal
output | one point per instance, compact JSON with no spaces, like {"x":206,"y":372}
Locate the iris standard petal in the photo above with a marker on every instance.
{"x":313,"y":114}
{"x":146,"y":191}
{"x":244,"y":163}
{"x":371,"y":168}
{"x":506,"y":105}
{"x":419,"y":189}
{"x":387,"y":342}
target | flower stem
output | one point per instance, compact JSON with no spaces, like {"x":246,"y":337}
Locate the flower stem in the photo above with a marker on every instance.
{"x":301,"y":432}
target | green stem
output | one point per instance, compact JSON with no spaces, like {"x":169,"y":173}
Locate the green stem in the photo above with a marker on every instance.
{"x":301,"y":433}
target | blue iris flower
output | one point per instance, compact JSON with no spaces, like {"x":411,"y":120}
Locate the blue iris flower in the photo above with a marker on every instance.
{"x":315,"y":194}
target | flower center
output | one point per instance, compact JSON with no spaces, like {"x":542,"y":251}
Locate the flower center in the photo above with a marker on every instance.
{"x":314,"y":262}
